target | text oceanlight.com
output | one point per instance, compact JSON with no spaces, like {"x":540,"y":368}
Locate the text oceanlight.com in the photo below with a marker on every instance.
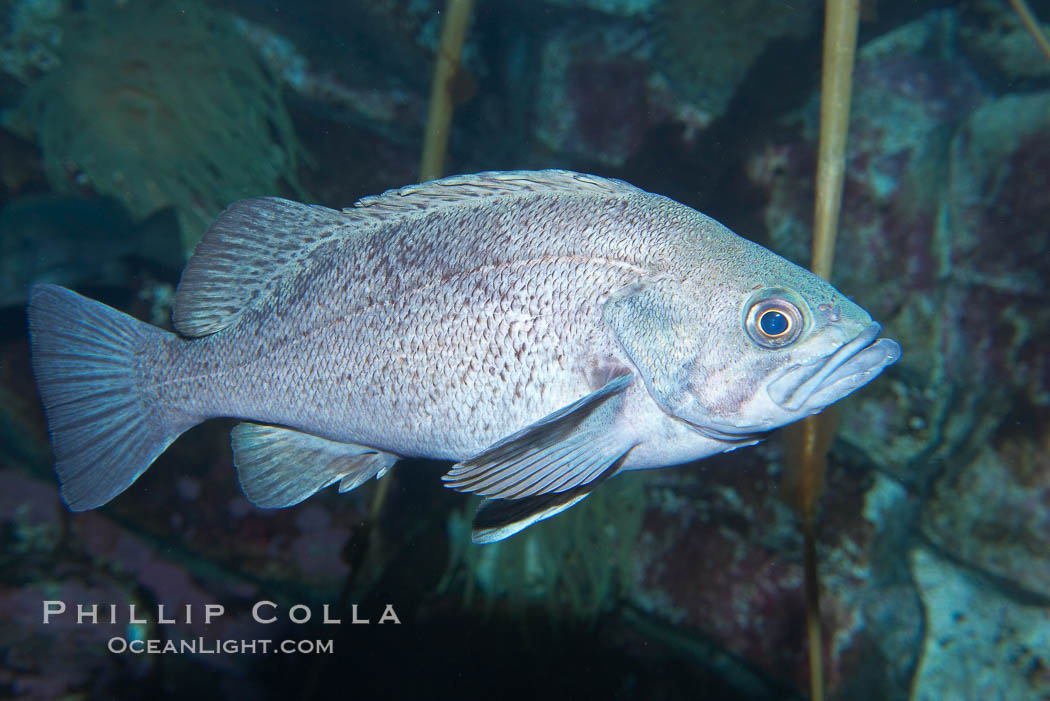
{"x":203,"y":646}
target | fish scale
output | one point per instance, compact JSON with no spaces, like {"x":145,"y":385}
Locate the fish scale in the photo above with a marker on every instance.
{"x":444,"y":321}
{"x":545,"y":329}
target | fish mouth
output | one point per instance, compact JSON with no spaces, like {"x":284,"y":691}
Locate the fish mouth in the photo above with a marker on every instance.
{"x":815,"y":385}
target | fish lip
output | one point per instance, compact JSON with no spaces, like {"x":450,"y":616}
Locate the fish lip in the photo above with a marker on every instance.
{"x":817,"y":384}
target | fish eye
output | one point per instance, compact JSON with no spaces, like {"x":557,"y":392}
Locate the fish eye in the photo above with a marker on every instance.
{"x":773,"y":321}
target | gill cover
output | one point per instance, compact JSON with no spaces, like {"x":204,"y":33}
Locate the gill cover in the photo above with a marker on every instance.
{"x":660,"y":332}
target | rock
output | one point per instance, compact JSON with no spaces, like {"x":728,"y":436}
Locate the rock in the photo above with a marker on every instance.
{"x":299,"y":549}
{"x":979,"y":642}
{"x":992,"y":34}
{"x":706,"y":47}
{"x":997,"y":208}
{"x":593,"y":93}
{"x":991,"y":509}
{"x":994,"y":512}
{"x":98,"y":564}
{"x":619,"y":8}
{"x":29,"y":44}
{"x":62,"y":659}
{"x":720,"y":556}
{"x":603,"y":86}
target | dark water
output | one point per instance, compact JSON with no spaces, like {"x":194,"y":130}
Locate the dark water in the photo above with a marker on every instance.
{"x":127,"y":127}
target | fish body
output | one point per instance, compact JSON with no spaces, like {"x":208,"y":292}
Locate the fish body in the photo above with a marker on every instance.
{"x":543,"y":329}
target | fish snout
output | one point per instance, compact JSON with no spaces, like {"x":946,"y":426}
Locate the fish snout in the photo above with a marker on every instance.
{"x":809,"y":387}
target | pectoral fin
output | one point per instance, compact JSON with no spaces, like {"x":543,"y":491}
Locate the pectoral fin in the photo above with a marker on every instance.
{"x":280,"y":467}
{"x":564,"y":450}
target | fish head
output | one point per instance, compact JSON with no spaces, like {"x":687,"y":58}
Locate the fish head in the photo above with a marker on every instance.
{"x":796,"y":348}
{"x":748,"y":346}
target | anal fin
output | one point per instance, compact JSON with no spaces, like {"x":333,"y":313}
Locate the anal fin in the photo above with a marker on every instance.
{"x":280,"y":467}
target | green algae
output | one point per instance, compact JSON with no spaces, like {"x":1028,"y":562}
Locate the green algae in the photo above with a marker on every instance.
{"x":161,"y":105}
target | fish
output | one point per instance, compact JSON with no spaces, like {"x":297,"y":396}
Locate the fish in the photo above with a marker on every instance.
{"x":543,"y":330}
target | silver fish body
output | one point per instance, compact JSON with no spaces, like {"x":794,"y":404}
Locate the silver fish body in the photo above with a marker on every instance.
{"x":544,"y":329}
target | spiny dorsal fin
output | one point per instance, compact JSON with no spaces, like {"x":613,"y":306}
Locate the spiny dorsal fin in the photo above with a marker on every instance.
{"x":255,"y":242}
{"x":438,"y":194}
{"x":243,"y":254}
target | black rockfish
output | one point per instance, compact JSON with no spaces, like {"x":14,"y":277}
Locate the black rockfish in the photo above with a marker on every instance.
{"x":544,"y":329}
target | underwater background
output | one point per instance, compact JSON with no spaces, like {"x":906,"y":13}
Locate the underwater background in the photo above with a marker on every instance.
{"x":126,"y":127}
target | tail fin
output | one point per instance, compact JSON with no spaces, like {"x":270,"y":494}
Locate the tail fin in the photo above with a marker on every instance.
{"x":105,"y":431}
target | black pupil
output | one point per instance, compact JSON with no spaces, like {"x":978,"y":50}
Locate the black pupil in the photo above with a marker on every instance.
{"x":773,"y":323}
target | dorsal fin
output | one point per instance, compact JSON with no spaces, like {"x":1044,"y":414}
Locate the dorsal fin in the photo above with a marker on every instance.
{"x":438,"y":194}
{"x":243,"y":254}
{"x":255,"y":242}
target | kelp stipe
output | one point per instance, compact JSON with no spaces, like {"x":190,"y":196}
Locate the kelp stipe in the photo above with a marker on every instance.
{"x":809,"y":440}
